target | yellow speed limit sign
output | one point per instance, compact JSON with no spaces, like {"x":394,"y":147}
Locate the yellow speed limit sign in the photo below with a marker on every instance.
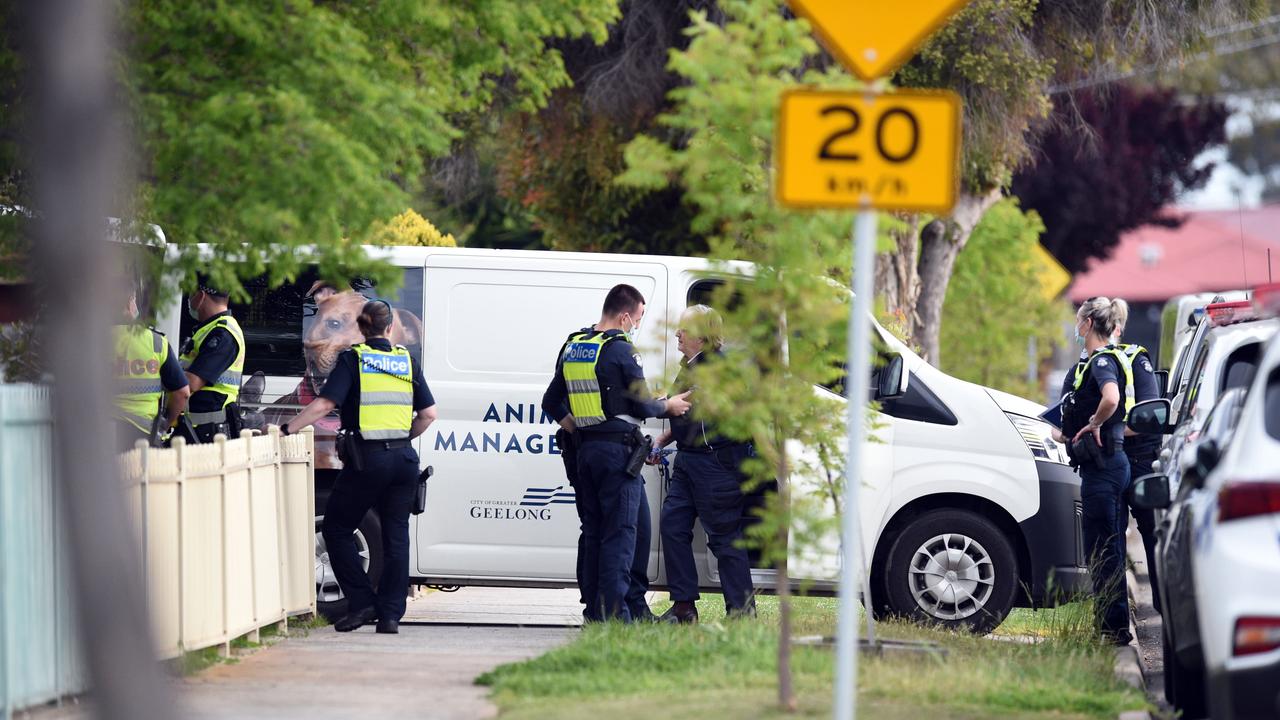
{"x":890,"y":151}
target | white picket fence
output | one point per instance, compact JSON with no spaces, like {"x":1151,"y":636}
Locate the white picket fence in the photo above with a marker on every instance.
{"x":227,"y":532}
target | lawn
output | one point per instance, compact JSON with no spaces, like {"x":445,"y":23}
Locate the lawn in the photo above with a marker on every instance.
{"x":727,"y":669}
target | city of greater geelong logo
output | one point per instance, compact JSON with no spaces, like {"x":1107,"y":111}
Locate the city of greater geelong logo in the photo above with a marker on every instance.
{"x":538,"y":497}
{"x":581,"y":352}
{"x":535,"y":504}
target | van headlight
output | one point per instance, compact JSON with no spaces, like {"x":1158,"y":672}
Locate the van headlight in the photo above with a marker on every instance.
{"x":1038,"y":435}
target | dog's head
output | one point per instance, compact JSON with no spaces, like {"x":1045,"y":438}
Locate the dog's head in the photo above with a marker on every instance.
{"x":334,"y":328}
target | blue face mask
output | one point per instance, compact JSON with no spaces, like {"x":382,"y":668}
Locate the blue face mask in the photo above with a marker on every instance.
{"x":191,"y":310}
{"x":1079,"y":338}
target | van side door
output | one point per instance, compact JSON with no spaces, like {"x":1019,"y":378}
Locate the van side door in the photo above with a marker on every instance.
{"x":499,"y":506}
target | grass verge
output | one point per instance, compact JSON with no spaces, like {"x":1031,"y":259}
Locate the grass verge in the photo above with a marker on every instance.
{"x":726,"y":669}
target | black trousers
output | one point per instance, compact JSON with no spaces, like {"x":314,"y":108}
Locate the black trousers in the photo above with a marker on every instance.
{"x":1140,"y":459}
{"x":388,"y":483}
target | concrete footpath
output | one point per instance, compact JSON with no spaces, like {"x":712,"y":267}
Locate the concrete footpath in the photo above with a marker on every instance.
{"x":1144,"y":659}
{"x":427,"y":671}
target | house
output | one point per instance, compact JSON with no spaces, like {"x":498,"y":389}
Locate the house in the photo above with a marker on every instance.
{"x":1210,"y":251}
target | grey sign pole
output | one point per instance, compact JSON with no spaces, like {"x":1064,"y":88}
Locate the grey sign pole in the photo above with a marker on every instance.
{"x":857,"y":376}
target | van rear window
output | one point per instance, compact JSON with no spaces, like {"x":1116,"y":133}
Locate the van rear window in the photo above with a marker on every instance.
{"x":299,"y":328}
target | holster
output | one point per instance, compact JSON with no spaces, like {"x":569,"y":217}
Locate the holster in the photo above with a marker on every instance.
{"x":420,"y":493}
{"x":569,"y":442}
{"x":235,"y":423}
{"x":1085,"y":452}
{"x":349,"y":451}
{"x":640,"y":445}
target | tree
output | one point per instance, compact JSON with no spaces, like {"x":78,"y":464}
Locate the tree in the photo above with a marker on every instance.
{"x":788,"y":319}
{"x":267,"y":127}
{"x":1258,"y":153}
{"x":994,"y":303}
{"x":410,"y":228}
{"x":1112,"y":161}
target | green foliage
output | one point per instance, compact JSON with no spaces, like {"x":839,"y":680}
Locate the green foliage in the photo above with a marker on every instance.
{"x":984,"y":55}
{"x":22,"y":352}
{"x":410,"y":228}
{"x":267,"y":127}
{"x":734,"y":74}
{"x":994,"y":303}
{"x":563,"y":171}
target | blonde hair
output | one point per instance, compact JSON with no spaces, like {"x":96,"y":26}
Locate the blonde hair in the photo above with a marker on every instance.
{"x":1107,"y":315}
{"x":705,"y":323}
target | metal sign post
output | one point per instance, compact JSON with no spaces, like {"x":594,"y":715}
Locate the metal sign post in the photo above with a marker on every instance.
{"x":857,"y":378}
{"x":866,"y":150}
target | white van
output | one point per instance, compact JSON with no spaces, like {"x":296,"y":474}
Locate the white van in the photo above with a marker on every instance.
{"x":968,"y":507}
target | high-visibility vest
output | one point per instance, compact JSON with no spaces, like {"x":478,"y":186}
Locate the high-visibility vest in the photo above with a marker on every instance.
{"x":578,"y":363}
{"x":386,"y":392}
{"x":1123,"y":360}
{"x":226,"y":384}
{"x":140,"y":353}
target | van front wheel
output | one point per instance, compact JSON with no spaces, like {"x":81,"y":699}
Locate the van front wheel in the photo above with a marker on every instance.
{"x":951,"y":568}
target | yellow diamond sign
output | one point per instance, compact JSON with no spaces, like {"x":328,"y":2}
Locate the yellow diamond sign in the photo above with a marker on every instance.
{"x":1052,"y":276}
{"x":873,"y":37}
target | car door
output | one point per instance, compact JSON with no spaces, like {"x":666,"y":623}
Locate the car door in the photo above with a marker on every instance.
{"x":499,"y":506}
{"x":1186,"y":519}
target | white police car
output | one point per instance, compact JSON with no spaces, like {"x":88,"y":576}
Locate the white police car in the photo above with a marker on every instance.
{"x":1220,"y":555}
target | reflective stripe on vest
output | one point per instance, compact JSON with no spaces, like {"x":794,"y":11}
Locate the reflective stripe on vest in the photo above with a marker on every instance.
{"x":386,"y":392}
{"x":578,"y":366}
{"x":226,"y":384}
{"x":1124,"y":361}
{"x":140,"y":352}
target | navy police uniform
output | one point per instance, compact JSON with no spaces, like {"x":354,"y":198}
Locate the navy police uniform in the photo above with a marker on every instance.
{"x":1142,"y":451}
{"x":613,"y":509}
{"x":387,"y":482}
{"x":216,"y":355}
{"x":1104,"y":478}
{"x":706,"y":485}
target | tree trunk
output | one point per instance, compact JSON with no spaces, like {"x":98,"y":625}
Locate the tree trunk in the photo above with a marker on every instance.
{"x":897,"y":280}
{"x":940,"y":243}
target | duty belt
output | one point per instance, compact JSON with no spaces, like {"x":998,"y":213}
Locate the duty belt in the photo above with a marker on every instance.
{"x":616,"y":437}
{"x":208,"y":418}
{"x":386,"y":444}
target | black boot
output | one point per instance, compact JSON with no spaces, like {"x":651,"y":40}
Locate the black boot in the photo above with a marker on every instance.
{"x":388,"y":626}
{"x":683,"y":613}
{"x":353,"y":620}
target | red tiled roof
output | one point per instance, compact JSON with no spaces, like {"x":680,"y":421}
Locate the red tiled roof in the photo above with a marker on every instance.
{"x":1205,"y":254}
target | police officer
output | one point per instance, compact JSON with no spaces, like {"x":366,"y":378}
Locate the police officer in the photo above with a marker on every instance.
{"x":213,"y":358}
{"x":385,"y":403}
{"x":1093,"y":426}
{"x":1141,"y":450}
{"x":146,"y":370}
{"x":706,"y":485}
{"x":598,"y":396}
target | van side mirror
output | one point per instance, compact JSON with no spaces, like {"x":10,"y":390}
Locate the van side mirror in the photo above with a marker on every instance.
{"x":1162,"y":382}
{"x":1151,"y":417}
{"x":1151,"y":492}
{"x":892,"y":379}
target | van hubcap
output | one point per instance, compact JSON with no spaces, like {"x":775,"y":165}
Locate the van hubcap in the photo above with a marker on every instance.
{"x":327,"y":588}
{"x":951,"y":576}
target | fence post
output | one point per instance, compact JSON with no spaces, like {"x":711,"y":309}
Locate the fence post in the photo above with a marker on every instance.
{"x":6,"y":703}
{"x":221,"y":441}
{"x":282,"y":521}
{"x":246,"y":437}
{"x":179,"y":446}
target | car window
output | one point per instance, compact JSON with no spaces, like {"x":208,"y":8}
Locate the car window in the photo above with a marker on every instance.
{"x":1193,"y":379}
{"x":1271,"y":405}
{"x":1240,"y":367}
{"x":1223,"y":417}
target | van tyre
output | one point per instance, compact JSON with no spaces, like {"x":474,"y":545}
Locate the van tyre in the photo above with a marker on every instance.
{"x":330,"y":601}
{"x":951,"y":568}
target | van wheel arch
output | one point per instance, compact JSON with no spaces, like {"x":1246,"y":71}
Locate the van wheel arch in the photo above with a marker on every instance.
{"x":880,"y":606}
